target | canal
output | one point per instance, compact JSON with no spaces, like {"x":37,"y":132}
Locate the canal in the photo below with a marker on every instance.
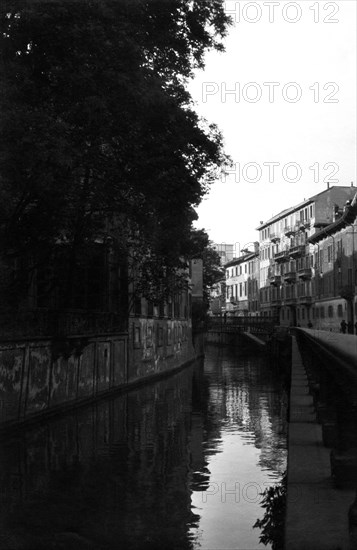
{"x":177,"y":464}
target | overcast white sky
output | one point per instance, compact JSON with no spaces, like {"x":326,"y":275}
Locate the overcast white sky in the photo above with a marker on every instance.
{"x":315,"y":130}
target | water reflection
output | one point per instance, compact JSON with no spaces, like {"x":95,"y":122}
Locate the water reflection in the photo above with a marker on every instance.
{"x":177,"y":464}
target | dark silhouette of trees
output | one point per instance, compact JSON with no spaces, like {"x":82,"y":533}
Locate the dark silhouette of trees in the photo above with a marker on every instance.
{"x":99,"y":138}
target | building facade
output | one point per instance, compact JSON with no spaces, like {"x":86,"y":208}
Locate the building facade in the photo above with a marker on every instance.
{"x":242,"y":283}
{"x":288,"y":264}
{"x":225,"y":251}
{"x":335,"y":256}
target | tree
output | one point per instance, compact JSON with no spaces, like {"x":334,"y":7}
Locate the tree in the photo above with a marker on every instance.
{"x":99,"y":138}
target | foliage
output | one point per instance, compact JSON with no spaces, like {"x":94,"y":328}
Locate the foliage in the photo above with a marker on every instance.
{"x":272,"y":524}
{"x":99,"y":137}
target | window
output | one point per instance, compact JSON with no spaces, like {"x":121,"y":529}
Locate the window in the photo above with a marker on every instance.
{"x":329,"y":253}
{"x":303,"y":313}
{"x":245,"y":268}
{"x":322,"y":312}
{"x":339,"y":310}
{"x":240,"y":289}
{"x":330,"y":311}
{"x":245,"y":288}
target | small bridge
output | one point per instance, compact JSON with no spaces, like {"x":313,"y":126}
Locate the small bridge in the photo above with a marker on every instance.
{"x":255,"y":325}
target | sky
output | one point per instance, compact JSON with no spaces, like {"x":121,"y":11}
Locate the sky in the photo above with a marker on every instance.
{"x":283,"y":95}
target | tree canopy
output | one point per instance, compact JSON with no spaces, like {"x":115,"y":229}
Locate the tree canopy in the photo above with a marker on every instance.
{"x":99,"y":136}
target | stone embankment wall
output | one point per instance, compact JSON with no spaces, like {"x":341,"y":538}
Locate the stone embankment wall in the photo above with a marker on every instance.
{"x":158,"y":345}
{"x":37,"y":376}
{"x":41,"y":376}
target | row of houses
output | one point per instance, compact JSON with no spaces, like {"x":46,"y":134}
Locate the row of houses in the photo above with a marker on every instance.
{"x":303,"y":269}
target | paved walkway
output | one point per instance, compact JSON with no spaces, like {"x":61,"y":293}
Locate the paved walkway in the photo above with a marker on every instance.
{"x":317,"y":513}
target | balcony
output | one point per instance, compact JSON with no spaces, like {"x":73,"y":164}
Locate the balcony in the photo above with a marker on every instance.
{"x":297,"y":251}
{"x":289,"y":230}
{"x":290,"y":301}
{"x":304,"y":273}
{"x":274,"y":237}
{"x":276,"y":302}
{"x":305,"y":300}
{"x":275,"y":280}
{"x":290,"y":277}
{"x":281,"y":256}
{"x":303,"y":224}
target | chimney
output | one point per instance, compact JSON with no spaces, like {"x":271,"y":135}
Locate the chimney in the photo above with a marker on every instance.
{"x":351,"y":183}
{"x":328,"y":185}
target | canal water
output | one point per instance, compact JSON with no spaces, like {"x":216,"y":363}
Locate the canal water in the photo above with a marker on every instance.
{"x":177,"y":464}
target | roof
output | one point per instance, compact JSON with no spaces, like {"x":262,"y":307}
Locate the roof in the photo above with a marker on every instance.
{"x":283,"y":213}
{"x":348,"y":217}
{"x":242,"y":259}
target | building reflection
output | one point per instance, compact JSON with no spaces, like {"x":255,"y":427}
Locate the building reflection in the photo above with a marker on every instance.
{"x":121,"y":474}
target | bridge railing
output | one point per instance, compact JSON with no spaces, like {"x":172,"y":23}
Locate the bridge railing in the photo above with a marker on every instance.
{"x":258,"y":324}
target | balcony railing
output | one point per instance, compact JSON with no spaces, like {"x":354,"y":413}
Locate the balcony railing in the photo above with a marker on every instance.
{"x":274,"y":237}
{"x":281,"y":256}
{"x":296,"y":251}
{"x":275,"y":280}
{"x":290,"y":301}
{"x":303,"y":224}
{"x":305,"y":300}
{"x":276,"y":302}
{"x":290,"y":277}
{"x":289,"y":230}
{"x":305,"y":273}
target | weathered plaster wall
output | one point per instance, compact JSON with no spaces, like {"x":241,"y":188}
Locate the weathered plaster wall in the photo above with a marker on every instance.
{"x":45,"y":375}
{"x":157,"y":345}
{"x":35,"y":376}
